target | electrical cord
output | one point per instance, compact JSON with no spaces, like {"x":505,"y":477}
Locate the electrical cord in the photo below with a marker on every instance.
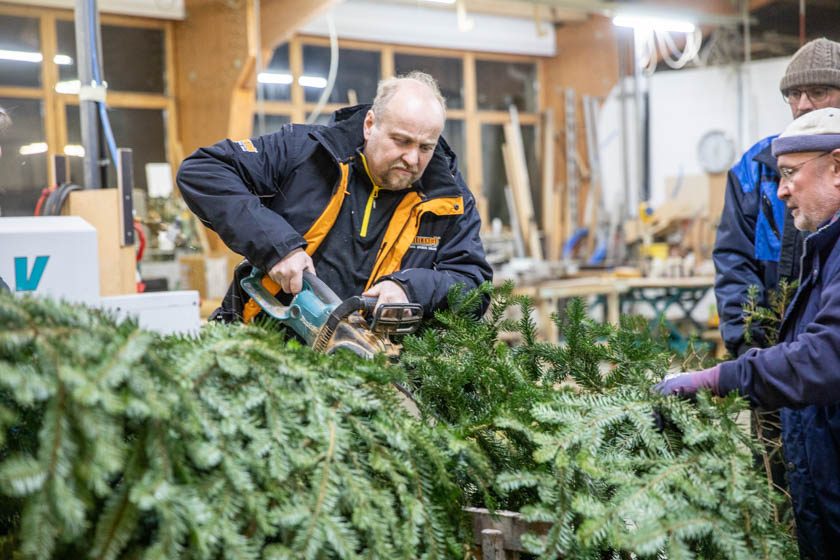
{"x":97,"y":78}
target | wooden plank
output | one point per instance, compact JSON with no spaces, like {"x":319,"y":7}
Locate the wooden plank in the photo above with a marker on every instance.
{"x":49,"y":77}
{"x":521,"y":184}
{"x":117,"y":265}
{"x":517,"y":215}
{"x":551,"y":217}
{"x":475,"y":172}
{"x":509,"y":523}
{"x":492,"y":545}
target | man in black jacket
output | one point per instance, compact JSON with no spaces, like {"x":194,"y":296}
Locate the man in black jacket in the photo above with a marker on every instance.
{"x":373,"y":203}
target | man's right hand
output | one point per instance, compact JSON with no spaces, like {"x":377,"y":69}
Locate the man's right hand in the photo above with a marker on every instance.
{"x":289,"y":271}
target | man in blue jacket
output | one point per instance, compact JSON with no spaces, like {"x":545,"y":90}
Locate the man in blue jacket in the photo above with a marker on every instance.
{"x":756,"y":243}
{"x":373,"y":203}
{"x":801,"y":374}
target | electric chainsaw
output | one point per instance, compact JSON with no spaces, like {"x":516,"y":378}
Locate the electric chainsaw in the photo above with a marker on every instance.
{"x":326,"y":323}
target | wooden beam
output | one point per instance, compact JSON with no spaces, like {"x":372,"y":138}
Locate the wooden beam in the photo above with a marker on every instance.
{"x":215,"y":53}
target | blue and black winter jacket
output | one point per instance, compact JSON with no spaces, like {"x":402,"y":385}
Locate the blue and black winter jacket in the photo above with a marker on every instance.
{"x":756,"y":242}
{"x":801,"y":376}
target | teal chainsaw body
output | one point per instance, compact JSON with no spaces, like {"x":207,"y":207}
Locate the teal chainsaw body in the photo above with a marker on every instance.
{"x":327,"y":323}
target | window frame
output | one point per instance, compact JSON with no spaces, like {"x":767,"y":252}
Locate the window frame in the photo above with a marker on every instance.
{"x":473,"y":118}
{"x":55,"y":124}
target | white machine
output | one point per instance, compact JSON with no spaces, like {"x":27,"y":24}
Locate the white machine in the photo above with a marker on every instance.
{"x":57,"y":256}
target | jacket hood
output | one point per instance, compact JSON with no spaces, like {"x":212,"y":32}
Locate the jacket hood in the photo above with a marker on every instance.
{"x":345,"y":134}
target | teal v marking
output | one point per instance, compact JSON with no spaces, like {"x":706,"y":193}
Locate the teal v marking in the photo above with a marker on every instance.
{"x":29,"y":283}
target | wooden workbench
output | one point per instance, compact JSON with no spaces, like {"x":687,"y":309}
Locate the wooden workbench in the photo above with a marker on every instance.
{"x":618,"y":295}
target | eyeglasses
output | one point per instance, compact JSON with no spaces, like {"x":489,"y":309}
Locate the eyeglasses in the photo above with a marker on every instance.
{"x":816,"y":94}
{"x":787,"y":173}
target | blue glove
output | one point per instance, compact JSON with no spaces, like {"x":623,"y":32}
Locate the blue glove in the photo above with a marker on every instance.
{"x":687,"y":384}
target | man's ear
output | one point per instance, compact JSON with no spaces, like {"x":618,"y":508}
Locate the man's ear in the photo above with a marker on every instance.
{"x":369,"y":122}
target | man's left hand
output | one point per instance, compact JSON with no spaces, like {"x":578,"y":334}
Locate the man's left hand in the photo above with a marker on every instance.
{"x":687,"y":384}
{"x":387,"y":291}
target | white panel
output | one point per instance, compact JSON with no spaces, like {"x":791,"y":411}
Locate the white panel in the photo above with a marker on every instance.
{"x":163,"y":9}
{"x":426,"y":27}
{"x":50,"y":256}
{"x":684,"y":105}
{"x":162,"y":312}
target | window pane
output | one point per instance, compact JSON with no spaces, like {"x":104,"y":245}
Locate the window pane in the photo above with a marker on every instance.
{"x":453,"y":132}
{"x":323,"y":118}
{"x":357,"y":70}
{"x":449,"y":72}
{"x":142,"y":130}
{"x":20,"y":35}
{"x":22,"y":176}
{"x":500,"y":84}
{"x":495,"y":179}
{"x":273,"y":123}
{"x":278,"y":69}
{"x":133,"y":57}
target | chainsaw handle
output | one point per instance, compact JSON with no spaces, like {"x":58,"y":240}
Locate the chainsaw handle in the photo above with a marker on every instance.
{"x":253,"y":286}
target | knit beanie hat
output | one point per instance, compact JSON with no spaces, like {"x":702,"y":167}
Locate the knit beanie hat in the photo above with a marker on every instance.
{"x":816,"y":131}
{"x":816,"y":63}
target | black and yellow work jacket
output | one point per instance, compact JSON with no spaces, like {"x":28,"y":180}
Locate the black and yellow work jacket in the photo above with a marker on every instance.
{"x":306,"y":186}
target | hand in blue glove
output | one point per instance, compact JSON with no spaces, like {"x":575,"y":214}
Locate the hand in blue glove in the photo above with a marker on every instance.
{"x":687,"y":384}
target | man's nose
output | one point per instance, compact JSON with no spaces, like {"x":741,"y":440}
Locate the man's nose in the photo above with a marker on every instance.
{"x":804,"y":105}
{"x":782,"y":192}
{"x":411,"y":156}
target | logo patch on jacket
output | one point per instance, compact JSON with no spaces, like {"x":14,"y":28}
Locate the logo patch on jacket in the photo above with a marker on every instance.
{"x":247,"y":146}
{"x":425,"y":243}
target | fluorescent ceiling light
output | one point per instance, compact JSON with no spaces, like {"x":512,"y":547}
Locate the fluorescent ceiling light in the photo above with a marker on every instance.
{"x":63,"y":60}
{"x":654,"y":23}
{"x":74,"y":150}
{"x":274,"y":78}
{"x":21,"y":56}
{"x":439,"y":1}
{"x":70,"y":86}
{"x":33,"y":148}
{"x":312,"y":81}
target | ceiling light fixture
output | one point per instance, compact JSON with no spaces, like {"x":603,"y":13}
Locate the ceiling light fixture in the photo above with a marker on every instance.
{"x":74,"y":150}
{"x":70,"y":87}
{"x":63,"y":60}
{"x":274,"y":78}
{"x":312,"y":81}
{"x":647,"y":23}
{"x":21,"y":56}
{"x":33,"y":148}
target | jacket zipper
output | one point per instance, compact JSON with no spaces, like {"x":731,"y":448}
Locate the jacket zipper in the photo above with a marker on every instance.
{"x":371,"y":203}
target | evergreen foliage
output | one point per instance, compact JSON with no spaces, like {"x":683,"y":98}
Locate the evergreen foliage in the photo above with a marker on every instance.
{"x":617,"y":470}
{"x":762,"y":324}
{"x":234,"y":444}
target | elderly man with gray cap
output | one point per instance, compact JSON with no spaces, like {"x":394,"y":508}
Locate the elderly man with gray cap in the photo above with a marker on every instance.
{"x":801,"y":374}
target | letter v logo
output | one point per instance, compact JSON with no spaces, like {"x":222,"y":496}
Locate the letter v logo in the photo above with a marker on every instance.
{"x":29,"y":282}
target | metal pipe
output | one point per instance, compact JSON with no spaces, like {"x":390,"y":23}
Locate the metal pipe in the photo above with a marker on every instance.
{"x":88,"y":116}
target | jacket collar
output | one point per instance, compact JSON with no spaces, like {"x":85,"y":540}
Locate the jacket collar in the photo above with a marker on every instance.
{"x":825,"y":236}
{"x":765,"y":155}
{"x":344,"y":135}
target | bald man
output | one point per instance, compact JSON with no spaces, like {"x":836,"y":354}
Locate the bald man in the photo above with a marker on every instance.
{"x":372,"y":203}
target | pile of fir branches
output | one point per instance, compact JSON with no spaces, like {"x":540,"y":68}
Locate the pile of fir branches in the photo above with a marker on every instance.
{"x":237,"y":444}
{"x":117,"y":443}
{"x":581,"y":441}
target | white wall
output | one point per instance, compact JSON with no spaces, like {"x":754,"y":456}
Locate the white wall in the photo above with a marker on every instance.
{"x":416,"y":25}
{"x":684,"y":105}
